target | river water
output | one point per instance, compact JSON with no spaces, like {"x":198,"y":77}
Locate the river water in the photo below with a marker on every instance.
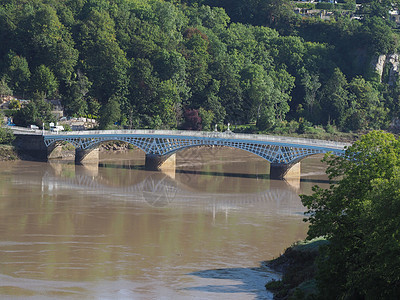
{"x":116,"y":231}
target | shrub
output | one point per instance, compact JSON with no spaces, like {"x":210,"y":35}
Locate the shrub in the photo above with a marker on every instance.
{"x":192,"y":120}
{"x":6,"y":136}
{"x":324,"y":5}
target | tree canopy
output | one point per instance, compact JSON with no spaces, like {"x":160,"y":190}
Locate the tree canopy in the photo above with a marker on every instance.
{"x":359,"y":216}
{"x":244,"y":62}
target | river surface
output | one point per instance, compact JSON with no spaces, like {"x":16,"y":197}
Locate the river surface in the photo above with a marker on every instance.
{"x":116,"y":231}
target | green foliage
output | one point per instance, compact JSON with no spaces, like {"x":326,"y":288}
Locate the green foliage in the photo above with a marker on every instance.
{"x":17,"y":72}
{"x":36,"y":112}
{"x":331,"y":129}
{"x":311,"y":85}
{"x":4,"y":88}
{"x":6,"y":136}
{"x":359,"y":217}
{"x":305,"y":5}
{"x":325,"y":5}
{"x":75,"y":98}
{"x":44,"y":81}
{"x":111,"y":113}
{"x":14,"y":104}
{"x":380,"y":35}
{"x":67,"y":127}
{"x":298,"y":281}
{"x":207,"y":117}
{"x":334,"y":98}
{"x":93,"y":107}
{"x":257,"y":12}
{"x":158,"y":58}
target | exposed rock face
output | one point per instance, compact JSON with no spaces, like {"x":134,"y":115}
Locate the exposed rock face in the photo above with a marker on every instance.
{"x":392,"y":61}
{"x":379,"y":64}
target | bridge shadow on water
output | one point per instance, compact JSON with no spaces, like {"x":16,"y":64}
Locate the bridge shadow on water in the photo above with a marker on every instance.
{"x":239,"y":281}
{"x":316,"y":181}
{"x":191,"y":172}
{"x":254,"y":176}
{"x":218,"y":174}
{"x":223,"y":174}
{"x":117,"y":166}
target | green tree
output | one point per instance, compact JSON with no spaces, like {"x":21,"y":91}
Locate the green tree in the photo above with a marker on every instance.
{"x":143,"y":88}
{"x":167,"y":100}
{"x":358,"y":215}
{"x":366,"y":109}
{"x":44,"y":81}
{"x":380,"y":35}
{"x":6,"y":135}
{"x":290,"y":50}
{"x":213,"y":104}
{"x":93,"y":106}
{"x":283,"y":85}
{"x":258,"y":87}
{"x":18,"y":72}
{"x":49,"y":41}
{"x":334,"y":98}
{"x":110,"y":113}
{"x":36,"y":112}
{"x":196,"y":44}
{"x":74,"y":98}
{"x":5,"y":90}
{"x":207,"y":117}
{"x":107,"y":69}
{"x":311,"y":85}
{"x":256,"y":12}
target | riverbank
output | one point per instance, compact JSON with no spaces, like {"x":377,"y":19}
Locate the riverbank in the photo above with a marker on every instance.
{"x":11,"y":153}
{"x":298,"y":266}
{"x":8,"y":153}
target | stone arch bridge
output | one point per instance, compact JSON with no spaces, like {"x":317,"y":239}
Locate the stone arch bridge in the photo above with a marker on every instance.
{"x":283,"y":153}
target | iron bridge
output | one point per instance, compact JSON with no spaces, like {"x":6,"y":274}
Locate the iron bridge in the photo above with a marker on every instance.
{"x":275,"y":149}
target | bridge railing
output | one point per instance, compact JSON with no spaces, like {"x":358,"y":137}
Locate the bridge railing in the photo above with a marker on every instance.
{"x":202,"y":134}
{"x":25,"y":130}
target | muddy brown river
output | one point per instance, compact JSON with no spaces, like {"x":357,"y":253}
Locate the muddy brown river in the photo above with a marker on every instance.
{"x":116,"y":231}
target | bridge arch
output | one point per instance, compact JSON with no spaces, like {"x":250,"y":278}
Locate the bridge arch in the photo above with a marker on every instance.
{"x":292,"y":161}
{"x":76,"y":143}
{"x":85,"y":151}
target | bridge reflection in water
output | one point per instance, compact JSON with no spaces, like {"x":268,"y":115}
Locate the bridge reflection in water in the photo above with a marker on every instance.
{"x":159,"y":190}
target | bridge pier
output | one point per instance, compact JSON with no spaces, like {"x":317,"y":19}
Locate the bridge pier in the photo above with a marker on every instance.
{"x":86,"y":156}
{"x":284,"y":171}
{"x":164,"y":163}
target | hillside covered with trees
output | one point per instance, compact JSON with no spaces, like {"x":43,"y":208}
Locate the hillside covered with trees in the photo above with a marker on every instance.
{"x":192,"y":64}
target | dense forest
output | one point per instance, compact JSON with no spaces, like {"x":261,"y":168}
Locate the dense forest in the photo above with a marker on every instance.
{"x":192,"y":64}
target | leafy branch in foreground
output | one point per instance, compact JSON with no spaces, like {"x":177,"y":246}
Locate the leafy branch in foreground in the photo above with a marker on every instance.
{"x":360,"y":217}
